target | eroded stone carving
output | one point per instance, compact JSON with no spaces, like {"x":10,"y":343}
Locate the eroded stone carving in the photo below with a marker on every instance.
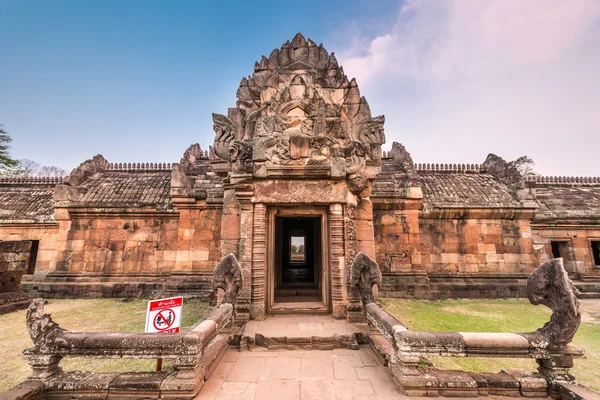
{"x":224,"y":134}
{"x":42,"y":330}
{"x":365,"y":274}
{"x":550,"y":285}
{"x":228,"y":276}
{"x":299,"y":110}
{"x":240,"y":153}
{"x":43,"y":333}
{"x":86,"y":169}
{"x":402,"y":157}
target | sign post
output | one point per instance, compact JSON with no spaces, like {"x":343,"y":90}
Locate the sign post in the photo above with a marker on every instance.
{"x":164,"y":316}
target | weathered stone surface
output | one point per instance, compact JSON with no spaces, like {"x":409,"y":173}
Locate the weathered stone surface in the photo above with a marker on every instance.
{"x":86,"y":169}
{"x":365,"y":273}
{"x":550,"y":285}
{"x":228,"y":276}
{"x":296,"y":114}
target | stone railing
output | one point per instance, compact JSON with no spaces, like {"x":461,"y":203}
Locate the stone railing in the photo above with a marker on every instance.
{"x":448,"y":167}
{"x":139,"y":167}
{"x":32,"y":180}
{"x":407,"y":351}
{"x":564,"y":180}
{"x":194,"y":352}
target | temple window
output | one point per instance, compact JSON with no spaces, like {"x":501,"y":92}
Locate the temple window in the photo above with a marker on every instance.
{"x":596,"y":251}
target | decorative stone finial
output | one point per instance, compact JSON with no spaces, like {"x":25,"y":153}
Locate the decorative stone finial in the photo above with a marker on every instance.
{"x":40,"y":326}
{"x":86,"y":169}
{"x":228,"y":276}
{"x":365,"y":273}
{"x":550,"y":285}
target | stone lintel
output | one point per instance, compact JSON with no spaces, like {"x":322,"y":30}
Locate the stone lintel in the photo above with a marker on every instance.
{"x":300,"y":192}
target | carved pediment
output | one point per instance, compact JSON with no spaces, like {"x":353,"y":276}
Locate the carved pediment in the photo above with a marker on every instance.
{"x":299,"y":108}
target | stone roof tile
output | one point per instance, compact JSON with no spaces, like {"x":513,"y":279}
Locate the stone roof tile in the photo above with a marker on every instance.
{"x":126,"y":188}
{"x":26,"y":202}
{"x":564,"y":202}
{"x":460,"y":189}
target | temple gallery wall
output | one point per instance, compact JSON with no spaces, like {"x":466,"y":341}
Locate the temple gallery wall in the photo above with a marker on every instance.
{"x":298,"y":181}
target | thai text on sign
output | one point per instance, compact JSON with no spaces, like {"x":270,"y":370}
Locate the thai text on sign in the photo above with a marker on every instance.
{"x":164,"y":315}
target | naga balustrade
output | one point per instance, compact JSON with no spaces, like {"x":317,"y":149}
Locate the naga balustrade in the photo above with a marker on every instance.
{"x":549,"y":345}
{"x":194,"y":352}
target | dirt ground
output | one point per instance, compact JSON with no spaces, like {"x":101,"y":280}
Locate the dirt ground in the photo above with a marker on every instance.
{"x":590,"y":311}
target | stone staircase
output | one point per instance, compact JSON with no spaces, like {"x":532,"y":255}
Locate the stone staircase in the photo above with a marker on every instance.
{"x":302,"y":332}
{"x":588,"y":286}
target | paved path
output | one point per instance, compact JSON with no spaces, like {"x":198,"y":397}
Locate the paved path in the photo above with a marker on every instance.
{"x":337,"y":374}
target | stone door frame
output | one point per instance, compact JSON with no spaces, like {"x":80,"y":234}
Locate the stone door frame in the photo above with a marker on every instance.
{"x":322,"y":212}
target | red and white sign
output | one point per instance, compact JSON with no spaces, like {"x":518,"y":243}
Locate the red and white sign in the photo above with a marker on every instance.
{"x":164,"y":315}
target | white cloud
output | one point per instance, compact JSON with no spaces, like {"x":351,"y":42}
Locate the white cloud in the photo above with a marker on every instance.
{"x":460,"y":78}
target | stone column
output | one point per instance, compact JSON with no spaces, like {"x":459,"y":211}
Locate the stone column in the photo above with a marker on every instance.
{"x":259,"y":263}
{"x":360,"y":236}
{"x":244,"y":193}
{"x":230,"y":223}
{"x":336,"y":253}
{"x":365,"y":236}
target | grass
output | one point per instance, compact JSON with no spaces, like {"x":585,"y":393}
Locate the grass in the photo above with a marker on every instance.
{"x":83,"y":315}
{"x":494,"y":316}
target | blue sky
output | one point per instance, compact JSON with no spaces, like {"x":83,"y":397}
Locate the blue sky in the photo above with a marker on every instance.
{"x":137,"y":81}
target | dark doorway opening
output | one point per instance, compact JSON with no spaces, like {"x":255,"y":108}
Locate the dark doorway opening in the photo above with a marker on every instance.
{"x":298,"y":259}
{"x":555,"y":249}
{"x":562,"y":248}
{"x":35,"y":245}
{"x":596,"y":252}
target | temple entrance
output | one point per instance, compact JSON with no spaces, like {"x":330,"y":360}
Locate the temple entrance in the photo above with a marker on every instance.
{"x":298,"y":278}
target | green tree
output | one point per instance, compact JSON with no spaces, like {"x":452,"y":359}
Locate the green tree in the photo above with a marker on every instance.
{"x":7,"y":164}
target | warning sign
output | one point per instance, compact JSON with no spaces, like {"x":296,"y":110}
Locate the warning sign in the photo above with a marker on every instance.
{"x":164,"y":315}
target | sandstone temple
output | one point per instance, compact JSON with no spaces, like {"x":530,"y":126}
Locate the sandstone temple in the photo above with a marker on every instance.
{"x":299,"y":180}
{"x":292,"y":224}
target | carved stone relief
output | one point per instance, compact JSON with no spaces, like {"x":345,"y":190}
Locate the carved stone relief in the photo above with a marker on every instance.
{"x":299,"y":110}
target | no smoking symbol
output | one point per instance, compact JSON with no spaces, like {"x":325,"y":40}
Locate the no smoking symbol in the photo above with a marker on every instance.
{"x":164,"y":319}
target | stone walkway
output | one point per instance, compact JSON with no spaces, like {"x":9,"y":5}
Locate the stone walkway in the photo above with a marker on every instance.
{"x":337,"y":374}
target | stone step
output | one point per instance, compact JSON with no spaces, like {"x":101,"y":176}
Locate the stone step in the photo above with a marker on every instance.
{"x":587,"y":286}
{"x":588,"y":295}
{"x":590,"y":278}
{"x":302,"y":332}
{"x":588,"y":290}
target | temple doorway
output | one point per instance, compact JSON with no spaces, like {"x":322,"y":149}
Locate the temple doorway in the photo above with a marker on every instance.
{"x":298,"y":278}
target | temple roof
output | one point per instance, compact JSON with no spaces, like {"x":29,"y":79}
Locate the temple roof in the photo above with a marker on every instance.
{"x":460,"y":189}
{"x":27,"y":200}
{"x":567,"y":202}
{"x":115,"y":188}
{"x":454,"y":187}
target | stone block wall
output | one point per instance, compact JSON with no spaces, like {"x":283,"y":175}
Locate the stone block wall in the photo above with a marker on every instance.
{"x":477,"y":246}
{"x":14,"y":263}
{"x":122,"y":244}
{"x":47,"y":236}
{"x":198,"y":239}
{"x":578,"y":259}
{"x":397,"y":235}
{"x":119,"y":244}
